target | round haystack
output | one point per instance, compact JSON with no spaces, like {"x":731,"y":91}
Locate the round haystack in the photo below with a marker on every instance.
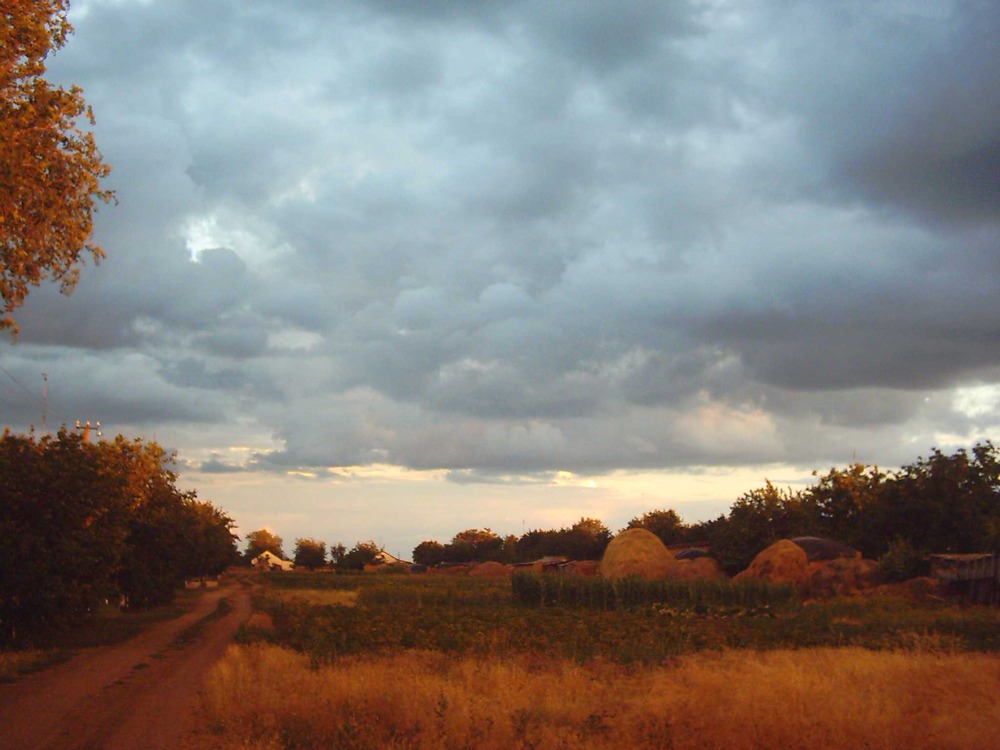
{"x":637,"y":552}
{"x":490,"y":570}
{"x":915,"y":590}
{"x":817,"y":548}
{"x":782,"y":562}
{"x":842,"y":577}
{"x":698,"y":568}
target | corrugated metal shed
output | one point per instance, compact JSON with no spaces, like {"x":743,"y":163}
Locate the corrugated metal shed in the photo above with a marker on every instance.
{"x":972,"y":577}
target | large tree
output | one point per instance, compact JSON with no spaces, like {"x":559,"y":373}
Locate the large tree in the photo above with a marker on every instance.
{"x":50,"y":167}
{"x":309,"y":553}
{"x":261,"y":541}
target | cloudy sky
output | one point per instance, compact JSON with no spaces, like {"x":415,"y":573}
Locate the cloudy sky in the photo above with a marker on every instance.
{"x":393,"y":270}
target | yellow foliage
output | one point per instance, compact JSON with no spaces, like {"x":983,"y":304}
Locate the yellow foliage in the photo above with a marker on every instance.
{"x":50,"y":167}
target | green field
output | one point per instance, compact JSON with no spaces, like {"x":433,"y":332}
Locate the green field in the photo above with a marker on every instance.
{"x":577,"y":618}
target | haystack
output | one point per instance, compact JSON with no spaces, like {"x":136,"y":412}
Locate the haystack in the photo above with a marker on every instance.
{"x":782,"y":562}
{"x":697,"y":568}
{"x":490,"y":570}
{"x":637,"y":552}
{"x":842,"y":576}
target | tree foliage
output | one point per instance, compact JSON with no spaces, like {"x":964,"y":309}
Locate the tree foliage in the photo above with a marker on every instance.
{"x":666,"y":524}
{"x":82,"y":523}
{"x":309,"y":553}
{"x":474,"y":545}
{"x":261,"y":541}
{"x":358,"y":556}
{"x":428,"y":553}
{"x":50,"y":167}
{"x":940,"y":504}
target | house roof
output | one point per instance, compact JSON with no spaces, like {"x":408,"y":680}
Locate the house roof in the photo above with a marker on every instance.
{"x":385,"y":558}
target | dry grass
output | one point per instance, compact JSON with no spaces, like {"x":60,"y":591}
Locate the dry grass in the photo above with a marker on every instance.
{"x":268,"y":697}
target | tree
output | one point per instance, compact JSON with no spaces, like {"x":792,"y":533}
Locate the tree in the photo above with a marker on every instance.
{"x":50,"y":168}
{"x":843,"y":499}
{"x":477,"y":545}
{"x":63,"y":526}
{"x":210,"y":541}
{"x":666,"y":524}
{"x":428,"y":553}
{"x":938,"y":504}
{"x":261,"y":541}
{"x":359,"y":555}
{"x":586,"y":539}
{"x":757,"y":520}
{"x":337,"y":554}
{"x":309,"y":553}
{"x":82,"y":524}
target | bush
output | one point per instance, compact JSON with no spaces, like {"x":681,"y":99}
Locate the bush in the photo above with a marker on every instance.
{"x":902,"y":562}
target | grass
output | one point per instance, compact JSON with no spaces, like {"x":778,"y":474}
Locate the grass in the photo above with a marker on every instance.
{"x":269,"y":697}
{"x":428,"y":662}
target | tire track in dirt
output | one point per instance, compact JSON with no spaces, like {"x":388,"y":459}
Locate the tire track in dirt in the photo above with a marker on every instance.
{"x":138,"y":694}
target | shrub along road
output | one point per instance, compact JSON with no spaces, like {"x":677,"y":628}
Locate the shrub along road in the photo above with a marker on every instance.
{"x":139,"y":694}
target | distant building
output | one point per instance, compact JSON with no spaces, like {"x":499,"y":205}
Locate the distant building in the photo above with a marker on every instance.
{"x":267,"y":560}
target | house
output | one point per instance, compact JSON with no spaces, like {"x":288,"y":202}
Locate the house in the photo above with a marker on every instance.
{"x":267,"y":560}
{"x":383,"y":559}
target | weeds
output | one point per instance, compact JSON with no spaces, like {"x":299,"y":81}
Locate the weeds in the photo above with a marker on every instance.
{"x":265,"y":696}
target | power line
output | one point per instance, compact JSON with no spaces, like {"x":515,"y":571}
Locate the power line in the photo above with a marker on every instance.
{"x":17,"y":382}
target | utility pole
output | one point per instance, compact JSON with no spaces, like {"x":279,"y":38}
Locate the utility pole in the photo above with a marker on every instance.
{"x":86,"y":427}
{"x":45,"y":399}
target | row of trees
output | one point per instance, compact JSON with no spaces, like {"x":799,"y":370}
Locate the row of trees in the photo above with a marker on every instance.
{"x":311,"y":553}
{"x":944,"y":503}
{"x":940,"y":504}
{"x":584,"y":540}
{"x":86,"y":523}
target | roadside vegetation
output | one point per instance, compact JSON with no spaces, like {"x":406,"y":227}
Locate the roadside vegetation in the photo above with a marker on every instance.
{"x":89,"y":528}
{"x":453,"y":661}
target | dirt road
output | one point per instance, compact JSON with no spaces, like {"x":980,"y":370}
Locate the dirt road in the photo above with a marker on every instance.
{"x":142,"y":694}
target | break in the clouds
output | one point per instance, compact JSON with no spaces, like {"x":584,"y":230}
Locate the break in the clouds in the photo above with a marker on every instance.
{"x":508,"y":239}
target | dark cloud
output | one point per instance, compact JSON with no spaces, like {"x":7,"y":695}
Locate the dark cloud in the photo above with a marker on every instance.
{"x":508,"y":239}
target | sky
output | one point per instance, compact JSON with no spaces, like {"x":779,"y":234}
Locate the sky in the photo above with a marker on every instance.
{"x":389,"y":271}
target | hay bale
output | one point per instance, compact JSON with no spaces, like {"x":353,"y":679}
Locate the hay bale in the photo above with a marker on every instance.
{"x":698,"y":568}
{"x":915,"y":590}
{"x":637,"y":552}
{"x":842,"y":576}
{"x":490,"y":570}
{"x":782,"y":562}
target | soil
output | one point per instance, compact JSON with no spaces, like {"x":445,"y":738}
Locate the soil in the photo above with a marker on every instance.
{"x":143,"y":693}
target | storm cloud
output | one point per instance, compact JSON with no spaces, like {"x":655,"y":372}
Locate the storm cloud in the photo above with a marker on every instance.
{"x":508,"y":239}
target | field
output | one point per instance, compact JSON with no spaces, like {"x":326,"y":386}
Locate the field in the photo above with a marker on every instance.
{"x":427,"y":662}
